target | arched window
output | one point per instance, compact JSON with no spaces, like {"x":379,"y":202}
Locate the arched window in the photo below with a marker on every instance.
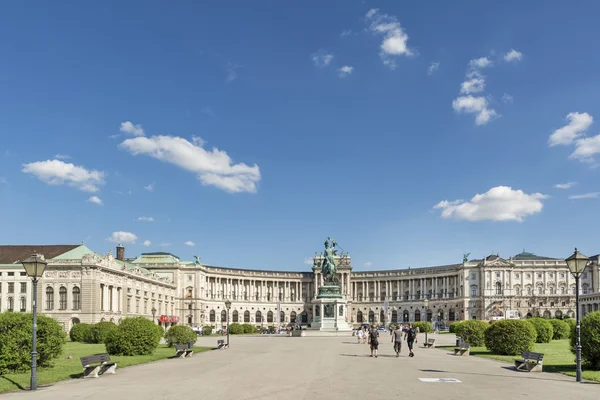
{"x":552,"y":290}
{"x":212,"y":316}
{"x":304,"y":317}
{"x":498,"y":288}
{"x":405,"y":316}
{"x":281,"y":317}
{"x":258,"y":317}
{"x":394,"y":316}
{"x":381,"y":316}
{"x":585,"y":288}
{"x":75,"y":321}
{"x":223,"y":316}
{"x":371,"y":317}
{"x":23,"y":304}
{"x":518,"y":290}
{"x":189,"y":292}
{"x":563,"y":290}
{"x":293,"y":316}
{"x":429,"y":315}
{"x":417,"y":316}
{"x":359,"y":317}
{"x":547,"y":314}
{"x":270,"y":317}
{"x":570,"y":314}
{"x":558,"y":314}
{"x":440,"y":316}
{"x":529,"y":290}
{"x":474,"y":290}
{"x":540,"y":290}
{"x":10,"y":304}
{"x":49,"y":298}
{"x":246,"y":316}
{"x":451,"y":315}
{"x":62,"y":298}
{"x":235,"y":316}
{"x":77,"y":298}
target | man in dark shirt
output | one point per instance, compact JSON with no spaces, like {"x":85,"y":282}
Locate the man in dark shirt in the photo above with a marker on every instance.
{"x":411,"y":338}
{"x":397,"y":339}
{"x":374,"y":340}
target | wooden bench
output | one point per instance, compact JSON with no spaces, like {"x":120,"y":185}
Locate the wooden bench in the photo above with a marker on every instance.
{"x":98,"y":364}
{"x":531,"y":362}
{"x":429,"y":343}
{"x":183,"y":350}
{"x":463,"y":349}
{"x":221,"y":344}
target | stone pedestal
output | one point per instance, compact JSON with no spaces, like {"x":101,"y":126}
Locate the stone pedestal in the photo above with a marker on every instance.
{"x":330,"y":313}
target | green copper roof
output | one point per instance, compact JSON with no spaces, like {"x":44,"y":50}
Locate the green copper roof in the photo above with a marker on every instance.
{"x":157,"y":258}
{"x":75,"y":254}
{"x":525,"y":256}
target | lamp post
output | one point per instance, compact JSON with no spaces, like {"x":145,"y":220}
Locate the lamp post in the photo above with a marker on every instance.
{"x":34,"y":267}
{"x":153,"y":314}
{"x":577,"y":263}
{"x":426,"y":304}
{"x":227,"y":306}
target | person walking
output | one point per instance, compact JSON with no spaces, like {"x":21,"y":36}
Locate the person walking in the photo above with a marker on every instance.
{"x":374,"y":340}
{"x":359,"y":334}
{"x":397,"y":340}
{"x":365,"y":335}
{"x":411,"y":337}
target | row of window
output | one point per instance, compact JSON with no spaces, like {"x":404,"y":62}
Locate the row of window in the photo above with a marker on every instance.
{"x":11,"y":287}
{"x":258,"y":316}
{"x":62,"y":298}
{"x":528,"y":276}
{"x":10,"y":304}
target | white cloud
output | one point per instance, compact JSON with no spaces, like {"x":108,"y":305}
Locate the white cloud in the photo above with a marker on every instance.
{"x":146,"y":219}
{"x":513,"y":56}
{"x":213,"y":167}
{"x":474,"y":85}
{"x":482,"y":62}
{"x":62,"y":156}
{"x":485,"y":116}
{"x":586,"y":148}
{"x":345,"y":33}
{"x":231,"y":70}
{"x":56,"y":172}
{"x":190,"y":243}
{"x":321,"y":58}
{"x":395,"y":39}
{"x":593,"y":195}
{"x":345,"y":71}
{"x":122,"y":237}
{"x":567,"y":185}
{"x":95,"y":200}
{"x":368,"y":264}
{"x":150,"y":187}
{"x":500,"y":203}
{"x":434,"y":66}
{"x":507,"y":98}
{"x":198,"y":141}
{"x":147,"y":243}
{"x":578,"y":124}
{"x":129,"y":128}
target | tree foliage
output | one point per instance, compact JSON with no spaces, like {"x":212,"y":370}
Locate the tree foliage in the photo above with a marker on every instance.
{"x":100,"y":330}
{"x":590,"y":339}
{"x":81,"y":333}
{"x":133,"y":337}
{"x":543,"y":328}
{"x":560,"y":329}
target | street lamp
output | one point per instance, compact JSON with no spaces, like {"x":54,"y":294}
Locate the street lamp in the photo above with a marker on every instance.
{"x":577,"y":263}
{"x":34,"y":267}
{"x":426,"y":304}
{"x":153,"y":314}
{"x":227,"y":306}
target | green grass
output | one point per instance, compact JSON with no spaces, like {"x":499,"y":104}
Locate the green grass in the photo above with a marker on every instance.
{"x":65,"y":368}
{"x":557,"y":358}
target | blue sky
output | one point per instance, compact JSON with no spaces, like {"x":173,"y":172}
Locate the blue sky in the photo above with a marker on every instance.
{"x":344,"y":119}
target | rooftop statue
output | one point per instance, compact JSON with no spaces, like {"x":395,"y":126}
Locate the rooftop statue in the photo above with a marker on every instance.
{"x":466,"y":257}
{"x":197,"y":259}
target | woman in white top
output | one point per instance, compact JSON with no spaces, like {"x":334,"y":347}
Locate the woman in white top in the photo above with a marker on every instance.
{"x":359,"y":334}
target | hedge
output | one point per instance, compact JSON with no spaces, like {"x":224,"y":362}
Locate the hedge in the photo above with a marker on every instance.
{"x":561,"y":329}
{"x":100,"y":330}
{"x":543,"y":328}
{"x":510,"y":337}
{"x":423,"y":326}
{"x":133,"y":337}
{"x":453,"y":326}
{"x":235,"y":328}
{"x":207,"y":330}
{"x":472,"y":331}
{"x":16,"y":334}
{"x":590,"y":339}
{"x":81,"y":333}
{"x":180,"y":334}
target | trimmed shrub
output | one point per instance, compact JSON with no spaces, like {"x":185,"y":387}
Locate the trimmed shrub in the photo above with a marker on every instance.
{"x":452,"y":327}
{"x":81,"y":333}
{"x":236,"y":328}
{"x":423,"y":326}
{"x":543,"y":328}
{"x":248,"y":328}
{"x":571,"y":322}
{"x":590,"y":339}
{"x":133,"y":337}
{"x":561,"y":330}
{"x":207,"y":330}
{"x":472,"y":331}
{"x":510,"y":337}
{"x":160,"y":331}
{"x":16,"y":333}
{"x":180,"y":334}
{"x":100,"y":330}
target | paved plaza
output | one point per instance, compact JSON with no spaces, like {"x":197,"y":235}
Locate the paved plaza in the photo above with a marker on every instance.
{"x":312,"y":368}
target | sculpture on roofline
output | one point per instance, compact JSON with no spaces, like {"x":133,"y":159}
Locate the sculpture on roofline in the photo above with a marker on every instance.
{"x":197,"y":259}
{"x":466,"y":257}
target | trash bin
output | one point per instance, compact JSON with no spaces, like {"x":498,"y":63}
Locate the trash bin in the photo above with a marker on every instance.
{"x":458,"y":340}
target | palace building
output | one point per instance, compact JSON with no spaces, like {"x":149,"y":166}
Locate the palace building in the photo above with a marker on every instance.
{"x":80,"y":285}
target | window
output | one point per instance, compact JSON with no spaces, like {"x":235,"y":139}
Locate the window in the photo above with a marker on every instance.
{"x":62,"y":298}
{"x":529,"y":290}
{"x":497,"y":274}
{"x":473,"y":290}
{"x":563,"y":290}
{"x":473,"y":276}
{"x":211,"y":316}
{"x":145,"y":306}
{"x":137,"y":306}
{"x":11,"y":274}
{"x":22,"y":273}
{"x":258,"y":317}
{"x":270,"y":316}
{"x":517,"y":276}
{"x":517,"y":290}
{"x":540,"y":290}
{"x":10,"y":304}
{"x":498,"y":288}
{"x":76,"y":298}
{"x":49,"y":298}
{"x":129,"y":304}
{"x":235,"y":316}
{"x":551,"y":275}
{"x":23,"y":304}
{"x":246,"y":316}
{"x":223,"y":316}
{"x":562,"y":275}
{"x":552,"y":290}
{"x":539,"y":276}
{"x":11,"y":287}
{"x":23,"y":287}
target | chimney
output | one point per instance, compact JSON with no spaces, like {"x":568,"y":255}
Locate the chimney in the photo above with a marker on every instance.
{"x":120,"y":252}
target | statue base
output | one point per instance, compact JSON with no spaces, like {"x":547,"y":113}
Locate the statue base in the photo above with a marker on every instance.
{"x":330,"y":313}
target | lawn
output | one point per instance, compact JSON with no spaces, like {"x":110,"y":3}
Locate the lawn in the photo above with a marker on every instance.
{"x":557,"y":358}
{"x":65,"y":368}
